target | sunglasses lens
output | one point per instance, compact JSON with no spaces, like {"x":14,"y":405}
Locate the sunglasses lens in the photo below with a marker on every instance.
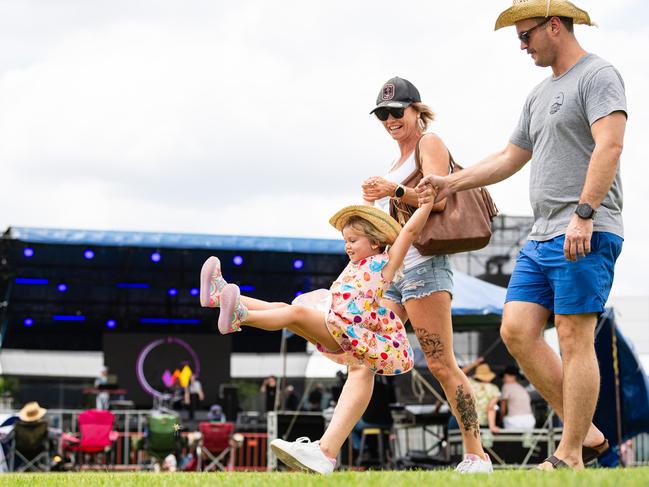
{"x":381,"y":114}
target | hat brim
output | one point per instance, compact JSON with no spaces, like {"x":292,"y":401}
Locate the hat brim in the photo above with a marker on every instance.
{"x":383,"y":222}
{"x":532,"y":9}
{"x":392,"y":104}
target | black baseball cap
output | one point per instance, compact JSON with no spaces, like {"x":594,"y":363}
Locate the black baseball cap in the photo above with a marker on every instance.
{"x":397,"y":93}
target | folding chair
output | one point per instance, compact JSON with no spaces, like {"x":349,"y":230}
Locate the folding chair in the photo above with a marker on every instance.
{"x":31,"y":447}
{"x":215,"y":446}
{"x":162,"y":436}
{"x":96,"y":434}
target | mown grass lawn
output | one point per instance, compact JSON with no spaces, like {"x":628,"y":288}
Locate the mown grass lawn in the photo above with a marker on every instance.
{"x":632,"y":477}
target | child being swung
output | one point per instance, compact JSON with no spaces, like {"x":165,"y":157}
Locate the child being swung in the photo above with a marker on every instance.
{"x":355,"y":330}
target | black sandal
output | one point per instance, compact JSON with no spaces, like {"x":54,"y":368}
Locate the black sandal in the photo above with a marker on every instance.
{"x":591,"y":453}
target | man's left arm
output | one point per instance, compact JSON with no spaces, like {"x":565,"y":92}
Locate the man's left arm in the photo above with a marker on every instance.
{"x":608,"y":133}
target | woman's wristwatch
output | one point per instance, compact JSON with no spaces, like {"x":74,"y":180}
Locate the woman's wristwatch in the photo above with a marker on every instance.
{"x":399,"y":192}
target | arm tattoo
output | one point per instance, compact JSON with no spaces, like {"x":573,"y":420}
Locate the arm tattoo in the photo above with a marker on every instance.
{"x":431,"y":343}
{"x":467,"y":411}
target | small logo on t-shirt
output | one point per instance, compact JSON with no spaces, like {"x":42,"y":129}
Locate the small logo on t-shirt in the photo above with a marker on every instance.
{"x":556,"y":103}
{"x":388,"y":92}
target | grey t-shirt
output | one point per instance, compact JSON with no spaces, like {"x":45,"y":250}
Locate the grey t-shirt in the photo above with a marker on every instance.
{"x":555,"y":127}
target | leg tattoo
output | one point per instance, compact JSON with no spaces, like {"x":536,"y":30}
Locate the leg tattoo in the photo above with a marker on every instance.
{"x":431,"y":343}
{"x":467,"y":411}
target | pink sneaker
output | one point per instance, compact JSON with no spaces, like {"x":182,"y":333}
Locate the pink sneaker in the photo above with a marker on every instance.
{"x":232,"y":311}
{"x":212,"y":283}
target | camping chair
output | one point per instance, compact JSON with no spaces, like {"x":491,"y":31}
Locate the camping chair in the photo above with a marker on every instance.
{"x":96,"y":434}
{"x":162,"y":436}
{"x":30,"y":444}
{"x":215,"y":445}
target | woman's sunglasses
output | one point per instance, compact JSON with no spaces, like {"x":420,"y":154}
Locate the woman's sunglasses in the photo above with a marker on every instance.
{"x":384,"y":112}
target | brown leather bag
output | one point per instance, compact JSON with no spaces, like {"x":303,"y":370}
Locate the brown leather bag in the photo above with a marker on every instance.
{"x":464,"y":225}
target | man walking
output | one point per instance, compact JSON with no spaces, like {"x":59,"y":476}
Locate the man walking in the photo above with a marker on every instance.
{"x":572,"y":129}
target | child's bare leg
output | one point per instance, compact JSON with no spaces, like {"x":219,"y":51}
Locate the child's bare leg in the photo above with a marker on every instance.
{"x":354,"y":398}
{"x":258,"y":304}
{"x":306,"y":322}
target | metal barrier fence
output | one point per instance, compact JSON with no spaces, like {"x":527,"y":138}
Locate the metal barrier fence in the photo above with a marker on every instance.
{"x":638,"y":454}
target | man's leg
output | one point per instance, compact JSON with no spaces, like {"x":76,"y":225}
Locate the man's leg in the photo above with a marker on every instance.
{"x":580,"y":382}
{"x":522,"y":331}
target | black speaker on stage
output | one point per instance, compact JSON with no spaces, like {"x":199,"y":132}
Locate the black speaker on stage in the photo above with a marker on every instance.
{"x":291,"y":425}
{"x":229,"y":401}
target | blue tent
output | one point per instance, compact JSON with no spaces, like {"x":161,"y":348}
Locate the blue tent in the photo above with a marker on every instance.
{"x":628,"y":402}
{"x":477,"y":298}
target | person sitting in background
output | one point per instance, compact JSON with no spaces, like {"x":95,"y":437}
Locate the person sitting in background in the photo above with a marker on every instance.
{"x":215,"y":414}
{"x":517,"y":403}
{"x":486,"y":394}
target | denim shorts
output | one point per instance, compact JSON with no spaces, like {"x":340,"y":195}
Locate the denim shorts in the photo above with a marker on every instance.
{"x":422,"y":280}
{"x":543,"y":275}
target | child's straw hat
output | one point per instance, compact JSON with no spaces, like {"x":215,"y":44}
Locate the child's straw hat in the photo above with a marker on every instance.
{"x":383,"y":222}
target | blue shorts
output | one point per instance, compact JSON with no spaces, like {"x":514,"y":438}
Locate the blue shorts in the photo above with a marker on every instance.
{"x":422,"y":280}
{"x":543,"y":275}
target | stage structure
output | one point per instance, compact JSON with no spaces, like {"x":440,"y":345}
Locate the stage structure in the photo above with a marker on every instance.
{"x":66,"y":290}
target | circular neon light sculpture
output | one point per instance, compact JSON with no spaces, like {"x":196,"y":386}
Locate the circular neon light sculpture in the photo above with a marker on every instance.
{"x":139,"y":366}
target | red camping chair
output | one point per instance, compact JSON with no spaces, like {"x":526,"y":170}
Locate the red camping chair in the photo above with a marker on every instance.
{"x":96,"y":434}
{"x":215,"y":446}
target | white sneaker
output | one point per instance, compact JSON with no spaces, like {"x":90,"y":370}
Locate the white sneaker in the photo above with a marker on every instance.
{"x":474,"y":464}
{"x":301,"y":454}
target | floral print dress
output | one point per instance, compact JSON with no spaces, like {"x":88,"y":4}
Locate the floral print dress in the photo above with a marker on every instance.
{"x":368,"y":334}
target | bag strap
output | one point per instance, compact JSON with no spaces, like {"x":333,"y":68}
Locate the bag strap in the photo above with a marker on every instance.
{"x":418,"y":168}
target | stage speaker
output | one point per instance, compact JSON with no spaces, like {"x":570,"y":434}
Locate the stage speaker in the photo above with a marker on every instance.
{"x":229,"y":401}
{"x":292,"y":425}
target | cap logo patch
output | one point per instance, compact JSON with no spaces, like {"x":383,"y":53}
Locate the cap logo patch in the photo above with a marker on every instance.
{"x":388,"y":92}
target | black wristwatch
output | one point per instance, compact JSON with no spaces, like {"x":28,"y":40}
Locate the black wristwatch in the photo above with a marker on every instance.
{"x":400,"y":191}
{"x":585,"y":211}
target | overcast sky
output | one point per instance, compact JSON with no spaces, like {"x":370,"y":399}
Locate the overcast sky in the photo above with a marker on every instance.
{"x":251,"y":117}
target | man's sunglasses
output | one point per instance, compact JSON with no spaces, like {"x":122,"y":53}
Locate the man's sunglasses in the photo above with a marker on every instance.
{"x":384,"y":112}
{"x":524,"y":36}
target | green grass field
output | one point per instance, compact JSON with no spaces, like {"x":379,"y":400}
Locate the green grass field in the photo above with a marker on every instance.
{"x":633,"y":477}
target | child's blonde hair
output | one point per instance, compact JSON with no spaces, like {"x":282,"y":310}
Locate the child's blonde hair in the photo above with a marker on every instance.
{"x":370,"y":231}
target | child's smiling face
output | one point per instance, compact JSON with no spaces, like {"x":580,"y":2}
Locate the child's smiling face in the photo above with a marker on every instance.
{"x":357,"y":245}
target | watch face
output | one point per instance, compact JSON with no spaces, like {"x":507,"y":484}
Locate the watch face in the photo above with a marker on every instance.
{"x":584,"y":210}
{"x":399,"y":192}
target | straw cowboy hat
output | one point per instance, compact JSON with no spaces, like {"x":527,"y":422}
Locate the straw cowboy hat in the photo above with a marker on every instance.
{"x":383,"y":222}
{"x":528,"y":9}
{"x":31,"y":412}
{"x":484,"y":373}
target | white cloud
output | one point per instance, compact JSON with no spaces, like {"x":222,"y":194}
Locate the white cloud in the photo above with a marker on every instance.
{"x":252,"y":117}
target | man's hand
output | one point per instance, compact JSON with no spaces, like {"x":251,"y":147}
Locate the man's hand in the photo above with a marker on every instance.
{"x":432,"y":188}
{"x":578,"y":236}
{"x":376,"y":187}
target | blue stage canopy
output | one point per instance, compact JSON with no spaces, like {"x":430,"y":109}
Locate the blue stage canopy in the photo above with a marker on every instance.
{"x":174,"y":240}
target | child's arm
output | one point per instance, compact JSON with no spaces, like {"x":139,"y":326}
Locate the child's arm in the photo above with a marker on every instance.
{"x":405,"y":239}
